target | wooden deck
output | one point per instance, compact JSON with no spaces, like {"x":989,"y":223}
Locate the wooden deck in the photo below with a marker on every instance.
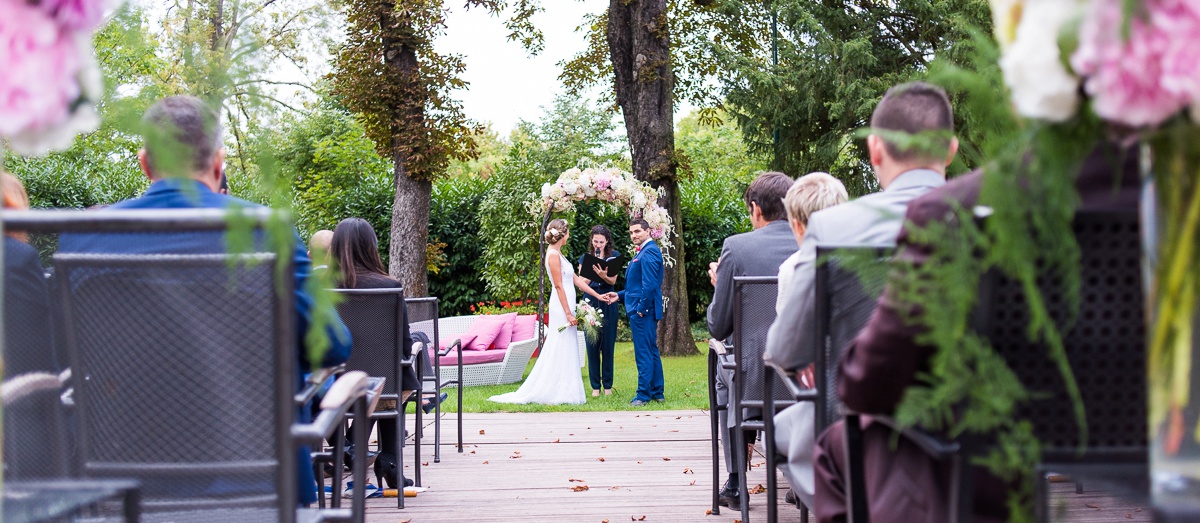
{"x":636,"y":466}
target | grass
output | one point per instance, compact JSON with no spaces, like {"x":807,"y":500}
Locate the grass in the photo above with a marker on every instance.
{"x":686,"y":387}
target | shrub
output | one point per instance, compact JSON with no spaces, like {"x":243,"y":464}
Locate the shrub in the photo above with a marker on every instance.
{"x":454,"y":223}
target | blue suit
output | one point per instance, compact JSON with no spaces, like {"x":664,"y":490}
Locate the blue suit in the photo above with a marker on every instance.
{"x":188,"y":194}
{"x":643,"y":305}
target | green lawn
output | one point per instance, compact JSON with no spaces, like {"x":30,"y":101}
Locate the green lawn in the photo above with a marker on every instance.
{"x":686,"y":387}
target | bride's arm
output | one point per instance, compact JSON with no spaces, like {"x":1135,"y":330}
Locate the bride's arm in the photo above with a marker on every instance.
{"x":582,"y":284}
{"x":555,"y":264}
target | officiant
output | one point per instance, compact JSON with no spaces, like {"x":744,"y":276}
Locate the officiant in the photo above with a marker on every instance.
{"x":600,"y":266}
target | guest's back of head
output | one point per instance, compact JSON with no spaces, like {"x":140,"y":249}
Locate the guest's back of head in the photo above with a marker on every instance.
{"x":767,"y":192}
{"x":355,"y":248}
{"x":811,"y":193}
{"x":915,"y":122}
{"x":319,"y":245}
{"x":182,"y":138}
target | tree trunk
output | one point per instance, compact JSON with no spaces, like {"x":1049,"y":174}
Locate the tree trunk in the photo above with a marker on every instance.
{"x":410,"y":207}
{"x":640,"y":49}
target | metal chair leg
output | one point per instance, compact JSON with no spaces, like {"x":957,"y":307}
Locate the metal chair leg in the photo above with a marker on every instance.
{"x":714,"y":422}
{"x":769,"y":446}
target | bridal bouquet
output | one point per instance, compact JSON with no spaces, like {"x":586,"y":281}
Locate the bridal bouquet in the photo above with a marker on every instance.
{"x":590,"y":320}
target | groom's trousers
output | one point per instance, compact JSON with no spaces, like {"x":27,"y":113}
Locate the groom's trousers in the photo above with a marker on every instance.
{"x":645,"y":352}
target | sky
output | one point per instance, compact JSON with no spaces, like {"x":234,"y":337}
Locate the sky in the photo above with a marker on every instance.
{"x":506,"y":84}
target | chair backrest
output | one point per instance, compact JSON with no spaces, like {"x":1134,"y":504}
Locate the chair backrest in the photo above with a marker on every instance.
{"x":843,"y":307}
{"x":753,"y":314}
{"x":184,"y":372}
{"x":377,"y":319}
{"x":423,"y":317}
{"x":1105,"y":345}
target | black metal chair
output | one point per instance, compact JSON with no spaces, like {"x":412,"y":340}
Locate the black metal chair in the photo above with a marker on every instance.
{"x":423,"y":318}
{"x":1105,"y":347}
{"x":36,"y":482}
{"x":185,"y":365}
{"x":842,"y":307}
{"x":378,"y":320}
{"x":753,"y":314}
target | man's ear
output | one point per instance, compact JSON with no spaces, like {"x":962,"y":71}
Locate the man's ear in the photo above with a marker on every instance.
{"x":953,"y":150}
{"x":755,"y":212}
{"x":212,"y":177}
{"x":875,"y":149}
{"x":144,"y":163}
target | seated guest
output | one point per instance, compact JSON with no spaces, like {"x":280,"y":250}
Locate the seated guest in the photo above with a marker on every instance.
{"x":318,"y":248}
{"x":355,"y":248}
{"x":183,"y":158}
{"x":904,"y":173}
{"x":755,"y":253}
{"x":811,"y":193}
{"x":28,"y":336}
{"x":885,"y":359}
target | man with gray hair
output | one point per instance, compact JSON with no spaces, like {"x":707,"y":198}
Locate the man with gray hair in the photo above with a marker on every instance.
{"x":184,"y":161}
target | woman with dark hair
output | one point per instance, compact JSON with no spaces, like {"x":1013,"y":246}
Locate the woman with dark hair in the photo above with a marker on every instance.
{"x":355,"y":248}
{"x":600,"y":350}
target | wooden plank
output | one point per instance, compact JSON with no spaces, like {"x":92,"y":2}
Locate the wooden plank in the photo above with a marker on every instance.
{"x":655,"y":464}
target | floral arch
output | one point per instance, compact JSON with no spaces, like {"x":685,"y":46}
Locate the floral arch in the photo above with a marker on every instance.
{"x":607,"y":185}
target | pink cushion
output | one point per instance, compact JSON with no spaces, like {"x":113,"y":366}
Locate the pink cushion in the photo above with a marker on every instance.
{"x":473,"y":357}
{"x":449,"y":340}
{"x":505,"y":337}
{"x":483,"y":331}
{"x":524,"y":328}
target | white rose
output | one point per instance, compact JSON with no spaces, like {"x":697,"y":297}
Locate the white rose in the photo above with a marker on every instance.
{"x":1041,"y":86}
{"x":570,"y":187}
{"x":638,"y":201}
{"x":545,"y":190}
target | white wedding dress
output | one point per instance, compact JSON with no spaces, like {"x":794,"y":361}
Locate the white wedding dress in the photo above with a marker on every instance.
{"x":555,"y":378}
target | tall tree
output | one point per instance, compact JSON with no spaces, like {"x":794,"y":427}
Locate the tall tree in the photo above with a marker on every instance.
{"x":639,"y":48}
{"x":388,"y":72}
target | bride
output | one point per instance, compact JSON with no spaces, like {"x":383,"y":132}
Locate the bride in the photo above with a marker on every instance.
{"x":555,"y":378}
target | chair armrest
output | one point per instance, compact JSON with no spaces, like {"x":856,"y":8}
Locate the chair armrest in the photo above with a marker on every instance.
{"x":18,"y":387}
{"x":457,"y":345}
{"x":716,"y":346}
{"x":315,"y":380}
{"x":341,"y":397}
{"x":791,"y":378}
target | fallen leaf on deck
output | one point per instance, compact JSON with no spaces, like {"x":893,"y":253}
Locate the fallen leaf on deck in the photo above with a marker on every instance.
{"x":579,"y":488}
{"x":480,"y":432}
{"x":604,"y":521}
{"x":599,"y":459}
{"x":557,"y":441}
{"x":516,"y":452}
{"x":639,"y":463}
{"x":1139,"y":509}
{"x":515,"y":456}
{"x":673,"y":430}
{"x":570,"y":434}
{"x":485,"y":462}
{"x":406,"y":521}
{"x":608,"y":421}
{"x":708,"y":512}
{"x":603,"y":446}
{"x":1128,"y":515}
{"x":678,"y":417}
{"x":575,"y":480}
{"x":688,"y":471}
{"x":692,"y":483}
{"x":425,"y":464}
{"x":634,"y":518}
{"x":472,"y":452}
{"x":666,"y":459}
{"x":1092,"y":505}
{"x":758,"y":489}
{"x":737,"y":521}
{"x":614,"y":487}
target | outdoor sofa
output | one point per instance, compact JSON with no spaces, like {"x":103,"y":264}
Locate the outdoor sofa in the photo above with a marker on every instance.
{"x":492,"y":361}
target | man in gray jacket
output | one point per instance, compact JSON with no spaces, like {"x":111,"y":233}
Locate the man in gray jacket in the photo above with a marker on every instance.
{"x":910,"y":146}
{"x":755,"y":253}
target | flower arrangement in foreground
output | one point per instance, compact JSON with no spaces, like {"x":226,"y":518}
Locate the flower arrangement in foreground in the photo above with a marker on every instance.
{"x":51,"y":78}
{"x":590,"y":320}
{"x":607,"y":185}
{"x":1139,"y":65}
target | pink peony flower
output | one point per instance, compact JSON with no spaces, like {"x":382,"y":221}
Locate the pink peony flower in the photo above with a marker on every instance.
{"x":1125,"y":77}
{"x":1179,"y":20}
{"x":657,"y":234}
{"x":80,"y":15}
{"x":41,"y":63}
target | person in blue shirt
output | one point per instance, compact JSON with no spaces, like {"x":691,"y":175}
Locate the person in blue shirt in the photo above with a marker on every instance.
{"x":184,"y":160}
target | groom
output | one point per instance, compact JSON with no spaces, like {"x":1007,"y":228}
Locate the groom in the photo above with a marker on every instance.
{"x":643,"y":305}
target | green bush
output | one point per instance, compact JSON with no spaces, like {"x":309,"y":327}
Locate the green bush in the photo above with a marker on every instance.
{"x":712,"y":210}
{"x":454,"y":225}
